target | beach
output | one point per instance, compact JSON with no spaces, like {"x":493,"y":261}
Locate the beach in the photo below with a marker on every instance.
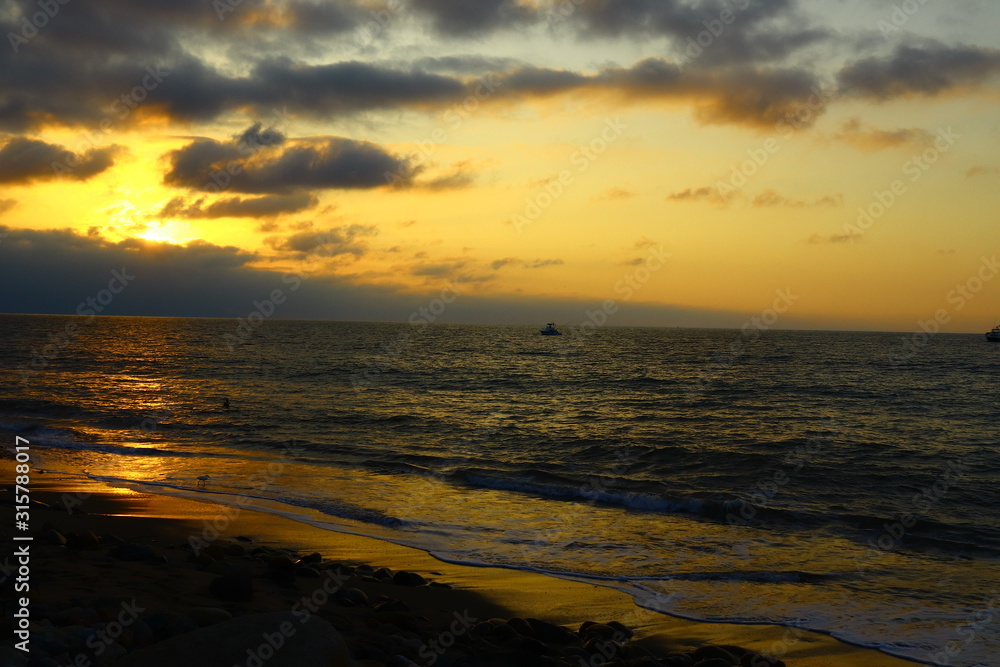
{"x":119,"y":577}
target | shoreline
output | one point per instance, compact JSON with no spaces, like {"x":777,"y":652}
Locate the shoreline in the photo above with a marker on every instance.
{"x":162,"y":522}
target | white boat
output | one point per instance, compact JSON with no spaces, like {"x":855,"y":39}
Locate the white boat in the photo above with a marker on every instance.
{"x":994,"y":336}
{"x":550,"y":330}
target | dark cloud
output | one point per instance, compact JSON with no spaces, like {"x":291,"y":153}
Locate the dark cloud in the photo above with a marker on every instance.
{"x":205,"y":280}
{"x":466,"y":64}
{"x":473,"y":18}
{"x":283,"y":166}
{"x":25,"y":160}
{"x":7,"y":204}
{"x":870,"y":139}
{"x":919,"y":70}
{"x":344,"y":240}
{"x":238,"y":207}
{"x":707,"y":32}
{"x":741,"y":95}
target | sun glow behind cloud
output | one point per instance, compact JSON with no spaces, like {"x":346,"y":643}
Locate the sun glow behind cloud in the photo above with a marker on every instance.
{"x":286,"y":150}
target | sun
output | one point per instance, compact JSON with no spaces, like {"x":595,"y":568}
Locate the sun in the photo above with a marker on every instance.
{"x":164,"y":232}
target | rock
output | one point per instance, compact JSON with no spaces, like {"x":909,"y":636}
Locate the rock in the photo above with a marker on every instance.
{"x":715,"y":662}
{"x":281,"y":564}
{"x":709,"y":652}
{"x":53,"y":537}
{"x":599,"y":630}
{"x":244,"y":538}
{"x":550,"y":632}
{"x":400,"y":661}
{"x":751,"y":659}
{"x":521,"y":627}
{"x":309,"y":572}
{"x":403,"y":578}
{"x":206,"y":616}
{"x":383,"y":573}
{"x":12,"y":657}
{"x":87,"y":540}
{"x":251,"y":638}
{"x":237,"y":550}
{"x":164,"y":624}
{"x":353,"y":597}
{"x":134,"y":552}
{"x":393,"y":605}
{"x":232,"y":588}
{"x":504,"y":632}
{"x":312,"y":559}
{"x":627,"y":632}
{"x":678,"y":660}
{"x":215,"y":551}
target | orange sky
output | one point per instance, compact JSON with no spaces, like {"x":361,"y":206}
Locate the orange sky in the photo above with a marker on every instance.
{"x":536,"y":158}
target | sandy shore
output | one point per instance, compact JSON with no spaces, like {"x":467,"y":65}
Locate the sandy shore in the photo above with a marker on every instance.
{"x":128,"y":578}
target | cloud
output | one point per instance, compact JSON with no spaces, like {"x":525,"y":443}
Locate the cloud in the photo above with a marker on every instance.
{"x":7,"y":204}
{"x":870,"y":139}
{"x":460,"y":175}
{"x":755,"y":96}
{"x":238,"y":207}
{"x":847,"y":237}
{"x":919,"y":70}
{"x":282,"y":166}
{"x":614,"y":194}
{"x":532,"y":264}
{"x":201,"y":279}
{"x":758,"y":30}
{"x":343,"y":240}
{"x":695,"y":194}
{"x":27,"y":160}
{"x":474,"y":18}
{"x":982,"y":170}
{"x":771,"y":198}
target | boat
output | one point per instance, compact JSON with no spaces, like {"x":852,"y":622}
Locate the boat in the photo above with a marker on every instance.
{"x":992,"y":336}
{"x":550,"y":330}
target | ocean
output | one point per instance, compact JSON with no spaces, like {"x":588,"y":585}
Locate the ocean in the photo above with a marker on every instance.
{"x":838,"y":482}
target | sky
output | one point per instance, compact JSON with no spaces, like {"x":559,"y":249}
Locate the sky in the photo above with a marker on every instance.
{"x":819,"y":164}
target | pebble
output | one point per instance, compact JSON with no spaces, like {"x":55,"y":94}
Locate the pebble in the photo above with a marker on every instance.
{"x":53,"y":537}
{"x":232,"y":587}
